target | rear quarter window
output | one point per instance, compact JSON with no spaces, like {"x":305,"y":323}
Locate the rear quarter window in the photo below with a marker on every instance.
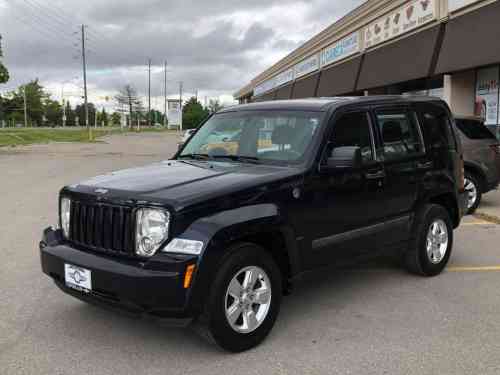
{"x":436,"y":127}
{"x":474,"y":129}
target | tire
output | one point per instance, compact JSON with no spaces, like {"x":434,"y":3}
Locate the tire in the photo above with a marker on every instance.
{"x":214,"y":324}
{"x":418,"y":259}
{"x":473,"y":188}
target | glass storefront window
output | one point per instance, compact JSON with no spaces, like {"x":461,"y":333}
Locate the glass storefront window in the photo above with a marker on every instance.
{"x":487,"y":95}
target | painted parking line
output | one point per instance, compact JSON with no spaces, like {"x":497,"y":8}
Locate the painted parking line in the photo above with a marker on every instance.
{"x":474,"y":223}
{"x":474,"y":269}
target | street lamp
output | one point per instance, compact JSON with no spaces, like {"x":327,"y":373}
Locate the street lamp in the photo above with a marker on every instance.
{"x":62,"y":100}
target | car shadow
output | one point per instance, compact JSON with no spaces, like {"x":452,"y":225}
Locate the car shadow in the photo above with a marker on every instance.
{"x":330,"y":289}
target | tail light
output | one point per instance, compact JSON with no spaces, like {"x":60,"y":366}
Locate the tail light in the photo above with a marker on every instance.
{"x":461,"y":176}
{"x":495,"y":149}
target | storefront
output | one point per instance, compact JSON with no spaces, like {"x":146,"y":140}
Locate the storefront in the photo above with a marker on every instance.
{"x":443,"y":48}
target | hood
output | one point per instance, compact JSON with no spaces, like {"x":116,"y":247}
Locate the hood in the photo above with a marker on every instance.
{"x":181,"y":183}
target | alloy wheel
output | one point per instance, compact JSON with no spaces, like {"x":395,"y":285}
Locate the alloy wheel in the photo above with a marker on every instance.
{"x":437,"y":241}
{"x":248,"y":299}
{"x":471,"y":190}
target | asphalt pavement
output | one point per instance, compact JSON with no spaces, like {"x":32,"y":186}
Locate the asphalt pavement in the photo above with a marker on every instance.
{"x":370,"y":319}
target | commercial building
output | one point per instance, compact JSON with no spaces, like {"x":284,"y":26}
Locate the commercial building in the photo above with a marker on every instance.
{"x":446,"y":48}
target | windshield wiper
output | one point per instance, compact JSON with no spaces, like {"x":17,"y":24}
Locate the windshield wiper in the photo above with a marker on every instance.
{"x":195,"y":156}
{"x":240,"y":158}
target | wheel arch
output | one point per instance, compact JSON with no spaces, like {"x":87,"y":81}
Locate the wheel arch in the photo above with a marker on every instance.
{"x":258,"y":224}
{"x":449,"y":201}
{"x":477,"y":171}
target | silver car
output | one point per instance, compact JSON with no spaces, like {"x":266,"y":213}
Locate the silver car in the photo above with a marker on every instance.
{"x":481,"y":159}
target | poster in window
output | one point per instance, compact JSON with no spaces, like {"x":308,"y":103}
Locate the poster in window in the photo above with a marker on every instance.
{"x":487,"y":95}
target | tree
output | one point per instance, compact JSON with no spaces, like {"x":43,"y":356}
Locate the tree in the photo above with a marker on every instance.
{"x":156,"y":117}
{"x":53,"y":113}
{"x":80,"y":112}
{"x":102,"y":118}
{"x":70,"y":115}
{"x":214,"y":105}
{"x":193,"y":114}
{"x":4,"y":73}
{"x":36,"y":99}
{"x":128,"y":101}
{"x":116,"y":119}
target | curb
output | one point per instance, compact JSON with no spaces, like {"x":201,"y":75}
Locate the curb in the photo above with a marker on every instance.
{"x":487,"y":217}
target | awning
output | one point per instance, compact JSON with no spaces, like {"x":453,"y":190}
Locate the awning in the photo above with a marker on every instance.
{"x":340,"y":79}
{"x":284,"y":92}
{"x":407,"y":59}
{"x":306,"y":87}
{"x":471,"y":40}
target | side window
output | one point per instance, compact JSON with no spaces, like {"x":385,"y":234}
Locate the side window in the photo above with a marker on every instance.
{"x":353,"y":129}
{"x":435,"y":127}
{"x":400,"y":134}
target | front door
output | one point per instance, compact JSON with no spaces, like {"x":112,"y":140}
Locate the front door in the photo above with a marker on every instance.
{"x":344,"y":210}
{"x":401,"y":150}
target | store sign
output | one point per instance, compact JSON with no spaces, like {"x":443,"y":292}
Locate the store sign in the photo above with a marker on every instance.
{"x":283,"y":78}
{"x":487,"y":95}
{"x":454,"y":5}
{"x":343,"y":48}
{"x":403,"y":20}
{"x":174,"y":113}
{"x":264,"y":87}
{"x":307,"y":66}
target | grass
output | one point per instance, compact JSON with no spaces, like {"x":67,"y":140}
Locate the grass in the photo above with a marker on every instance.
{"x":27,"y":136}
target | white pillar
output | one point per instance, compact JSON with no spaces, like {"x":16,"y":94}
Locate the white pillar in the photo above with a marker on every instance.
{"x":460,"y":92}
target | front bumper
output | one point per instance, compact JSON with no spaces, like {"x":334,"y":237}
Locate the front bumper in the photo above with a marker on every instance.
{"x":146,"y":288}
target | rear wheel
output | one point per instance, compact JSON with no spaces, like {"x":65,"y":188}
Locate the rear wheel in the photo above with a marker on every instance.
{"x":473,"y":189}
{"x":245,"y":299}
{"x":430,"y":250}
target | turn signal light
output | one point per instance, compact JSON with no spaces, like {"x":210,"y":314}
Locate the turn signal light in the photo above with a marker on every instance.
{"x":188,"y":276}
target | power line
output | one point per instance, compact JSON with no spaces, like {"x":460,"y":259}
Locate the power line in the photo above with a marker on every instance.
{"x":41,"y":30}
{"x":33,"y":13}
{"x":45,"y":11}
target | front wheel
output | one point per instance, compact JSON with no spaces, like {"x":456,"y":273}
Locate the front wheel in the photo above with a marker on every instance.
{"x":245,"y":299}
{"x":430,"y":250}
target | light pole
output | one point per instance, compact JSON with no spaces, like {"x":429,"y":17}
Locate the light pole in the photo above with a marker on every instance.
{"x":64,"y":117}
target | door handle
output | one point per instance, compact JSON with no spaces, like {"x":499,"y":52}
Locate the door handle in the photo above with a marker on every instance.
{"x":425,"y":165}
{"x":375,"y":175}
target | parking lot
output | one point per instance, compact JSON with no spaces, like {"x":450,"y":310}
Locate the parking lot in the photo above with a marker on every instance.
{"x":370,"y":319}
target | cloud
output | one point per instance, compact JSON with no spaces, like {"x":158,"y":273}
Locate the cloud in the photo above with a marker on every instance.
{"x":213,"y":47}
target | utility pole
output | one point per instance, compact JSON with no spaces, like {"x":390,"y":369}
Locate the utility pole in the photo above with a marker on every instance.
{"x":25,"y":108}
{"x":84,"y":60}
{"x":180,"y":100}
{"x":196,"y":95}
{"x":165,"y":94}
{"x":149,"y":92}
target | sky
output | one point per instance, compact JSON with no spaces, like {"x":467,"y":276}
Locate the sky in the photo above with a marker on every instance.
{"x":214,"y":47}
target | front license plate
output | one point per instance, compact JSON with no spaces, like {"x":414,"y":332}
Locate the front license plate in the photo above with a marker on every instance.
{"x":78,"y":278}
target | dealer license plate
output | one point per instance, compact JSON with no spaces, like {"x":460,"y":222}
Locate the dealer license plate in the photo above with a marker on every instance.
{"x":78,"y":278}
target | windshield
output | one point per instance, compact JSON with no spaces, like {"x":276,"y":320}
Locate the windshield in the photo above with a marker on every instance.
{"x":274,"y":136}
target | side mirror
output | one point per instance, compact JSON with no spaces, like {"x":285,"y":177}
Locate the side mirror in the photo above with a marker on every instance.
{"x":344,"y":158}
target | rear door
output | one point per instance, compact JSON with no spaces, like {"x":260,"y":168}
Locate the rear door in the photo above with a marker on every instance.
{"x":400,"y":147}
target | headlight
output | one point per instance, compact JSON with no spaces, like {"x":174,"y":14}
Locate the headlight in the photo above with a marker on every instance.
{"x":152,"y":230}
{"x":181,"y":246}
{"x":65,"y":215}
